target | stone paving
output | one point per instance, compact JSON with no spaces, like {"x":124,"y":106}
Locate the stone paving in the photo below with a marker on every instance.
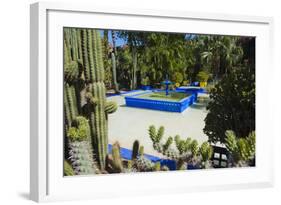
{"x":128,"y":124}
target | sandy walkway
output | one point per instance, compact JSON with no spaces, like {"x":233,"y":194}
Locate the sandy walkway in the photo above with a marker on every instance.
{"x":128,"y":124}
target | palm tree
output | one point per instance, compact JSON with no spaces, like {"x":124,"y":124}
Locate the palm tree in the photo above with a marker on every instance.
{"x":135,"y":43}
{"x":221,"y":54}
{"x":165,"y":54}
{"x":233,"y":53}
{"x":212,"y":54}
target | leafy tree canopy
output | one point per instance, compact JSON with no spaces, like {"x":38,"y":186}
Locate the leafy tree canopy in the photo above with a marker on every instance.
{"x":232,"y":105}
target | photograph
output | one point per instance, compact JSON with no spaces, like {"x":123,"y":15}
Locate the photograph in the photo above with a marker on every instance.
{"x":147,"y":101}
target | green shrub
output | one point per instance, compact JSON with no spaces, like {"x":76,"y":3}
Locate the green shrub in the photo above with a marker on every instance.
{"x":232,"y":106}
{"x":177,"y":77}
{"x":145,"y":81}
{"x":202,"y":76}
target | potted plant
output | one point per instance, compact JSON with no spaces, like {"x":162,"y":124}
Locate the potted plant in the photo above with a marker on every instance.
{"x":203,"y":77}
{"x":145,"y":83}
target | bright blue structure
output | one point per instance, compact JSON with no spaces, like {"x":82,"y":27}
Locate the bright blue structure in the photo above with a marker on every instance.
{"x":163,"y":105}
{"x":167,"y":83}
{"x":127,"y":155}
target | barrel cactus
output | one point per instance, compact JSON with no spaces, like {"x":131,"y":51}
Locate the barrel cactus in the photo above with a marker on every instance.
{"x":80,"y":150}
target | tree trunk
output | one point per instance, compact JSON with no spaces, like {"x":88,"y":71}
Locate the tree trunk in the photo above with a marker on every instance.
{"x":134,"y":76}
{"x":116,"y":86}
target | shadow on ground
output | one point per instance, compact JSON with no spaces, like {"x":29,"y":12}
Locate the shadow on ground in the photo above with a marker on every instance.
{"x":199,"y":106}
{"x":24,"y":195}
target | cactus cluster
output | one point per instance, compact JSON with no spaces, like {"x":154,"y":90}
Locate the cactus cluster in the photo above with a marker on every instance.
{"x":84,"y":95}
{"x":114,"y":163}
{"x":241,"y":150}
{"x":138,"y":163}
{"x":143,"y":164}
{"x":187,"y":150}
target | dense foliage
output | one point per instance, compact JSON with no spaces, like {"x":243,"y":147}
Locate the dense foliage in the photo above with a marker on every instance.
{"x":232,"y":105}
{"x":180,"y":57}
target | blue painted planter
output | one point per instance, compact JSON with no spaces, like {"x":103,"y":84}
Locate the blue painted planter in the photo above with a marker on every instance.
{"x":127,"y":155}
{"x":170,"y":106}
{"x":146,"y":87}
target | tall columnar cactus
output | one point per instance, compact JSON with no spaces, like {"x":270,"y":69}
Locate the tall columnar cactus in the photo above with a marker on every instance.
{"x":135,"y":151}
{"x":84,"y":91}
{"x":117,"y":160}
{"x":94,"y":76}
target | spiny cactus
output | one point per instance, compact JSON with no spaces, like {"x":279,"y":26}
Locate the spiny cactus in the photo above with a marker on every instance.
{"x":194,"y":148}
{"x":81,"y":158}
{"x":156,"y":137}
{"x":135,"y":151}
{"x":70,"y":103}
{"x":96,"y":106}
{"x":67,"y":169}
{"x":241,"y":149}
{"x":80,"y":151}
{"x":206,"y":151}
{"x":114,"y":74}
{"x":117,"y":161}
{"x":110,"y":107}
{"x":84,"y":93}
{"x":143,"y":164}
{"x":157,"y":166}
{"x":187,"y":151}
{"x":182,"y":145}
{"x":165,"y":168}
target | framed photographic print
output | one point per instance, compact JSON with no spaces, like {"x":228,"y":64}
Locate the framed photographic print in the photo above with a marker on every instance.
{"x":152,"y":101}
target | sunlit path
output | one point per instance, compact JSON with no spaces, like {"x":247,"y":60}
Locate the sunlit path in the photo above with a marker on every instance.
{"x":129,"y":124}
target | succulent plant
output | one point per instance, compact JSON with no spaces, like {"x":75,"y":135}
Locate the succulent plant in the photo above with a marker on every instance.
{"x":135,"y":151}
{"x":206,"y":151}
{"x":110,"y":107}
{"x":187,"y":150}
{"x":241,"y":150}
{"x":67,"y":169}
{"x":117,"y":161}
{"x":157,"y":166}
{"x":81,"y":158}
{"x":143,"y":164}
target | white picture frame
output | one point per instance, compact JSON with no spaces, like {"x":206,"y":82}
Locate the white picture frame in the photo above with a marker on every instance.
{"x":46,"y":163}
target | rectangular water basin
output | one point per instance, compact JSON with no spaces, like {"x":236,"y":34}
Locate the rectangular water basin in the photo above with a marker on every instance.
{"x":157,"y":100}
